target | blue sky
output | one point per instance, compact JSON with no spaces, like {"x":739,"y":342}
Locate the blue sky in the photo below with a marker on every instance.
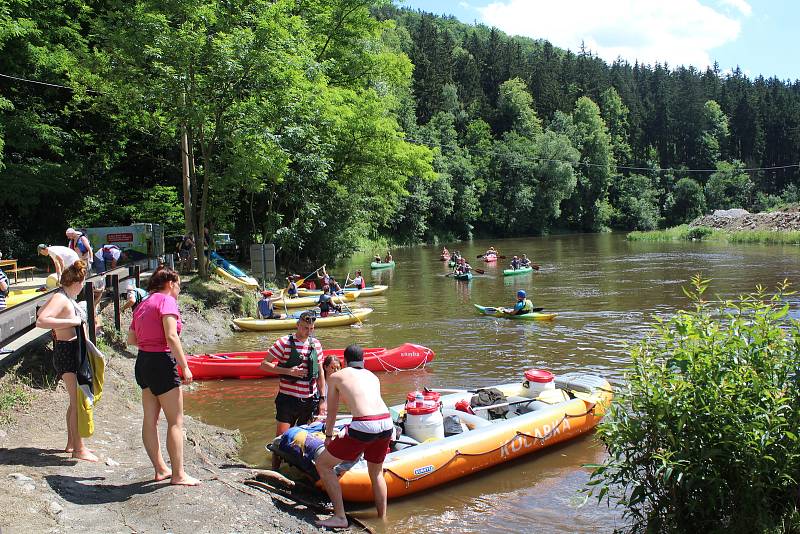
{"x":757,"y":35}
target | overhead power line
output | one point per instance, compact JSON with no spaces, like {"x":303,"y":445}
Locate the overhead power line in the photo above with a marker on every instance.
{"x":623,"y":167}
{"x":25,"y":80}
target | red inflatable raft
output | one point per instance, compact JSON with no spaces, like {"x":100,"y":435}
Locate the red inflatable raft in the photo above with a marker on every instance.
{"x":246,"y":364}
{"x":490,"y":258}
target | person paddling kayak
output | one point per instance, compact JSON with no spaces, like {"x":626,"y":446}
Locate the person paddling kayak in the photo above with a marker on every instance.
{"x":523,"y":305}
{"x":524,"y":261}
{"x":266,"y":308}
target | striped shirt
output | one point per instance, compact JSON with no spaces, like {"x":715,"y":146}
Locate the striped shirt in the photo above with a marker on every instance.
{"x":299,"y":387}
{"x":4,"y":278}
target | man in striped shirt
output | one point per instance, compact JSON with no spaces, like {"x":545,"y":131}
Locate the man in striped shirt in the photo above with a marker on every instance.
{"x":298,"y":359}
{"x":4,"y":288}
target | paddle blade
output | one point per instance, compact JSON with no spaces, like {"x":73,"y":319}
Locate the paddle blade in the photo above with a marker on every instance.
{"x":535,"y":266}
{"x":479,"y":271}
{"x":536,"y":309}
{"x":501,"y":257}
{"x":479,"y":256}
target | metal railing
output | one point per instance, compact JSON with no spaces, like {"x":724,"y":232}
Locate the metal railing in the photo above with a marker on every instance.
{"x":18,"y":320}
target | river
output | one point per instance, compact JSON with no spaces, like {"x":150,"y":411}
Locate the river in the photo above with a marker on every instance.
{"x":606,"y":292}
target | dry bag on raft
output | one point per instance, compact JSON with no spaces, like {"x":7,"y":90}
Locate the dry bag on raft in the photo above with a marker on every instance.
{"x":490,"y":397}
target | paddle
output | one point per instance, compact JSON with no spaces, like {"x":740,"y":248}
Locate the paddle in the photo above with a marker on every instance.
{"x":501,"y":404}
{"x":301,"y":281}
{"x":491,"y":309}
{"x":479,"y":271}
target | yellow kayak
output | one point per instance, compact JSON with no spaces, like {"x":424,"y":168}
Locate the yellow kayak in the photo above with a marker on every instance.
{"x":246,"y":281}
{"x":310,"y":302}
{"x":265,"y":325}
{"x":18,"y":296}
{"x":369,"y":291}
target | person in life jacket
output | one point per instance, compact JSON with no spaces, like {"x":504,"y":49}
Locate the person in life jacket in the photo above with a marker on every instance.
{"x":491,"y":251}
{"x":80,"y":244}
{"x":515,"y":263}
{"x":298,"y":359}
{"x":266,"y":308}
{"x":291,"y":287}
{"x":524,"y":261}
{"x":357,"y":282}
{"x":388,"y":258}
{"x":326,"y":304}
{"x":336,"y":289}
{"x":523,"y":305}
{"x":376,"y":259}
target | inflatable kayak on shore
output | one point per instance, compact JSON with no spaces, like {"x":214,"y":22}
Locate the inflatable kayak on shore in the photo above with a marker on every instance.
{"x":369,"y":291}
{"x":515,"y":272}
{"x":231,"y":273}
{"x":498,"y":312}
{"x":381,"y":265}
{"x":540,"y":411}
{"x":245,"y":365}
{"x":265,"y":325}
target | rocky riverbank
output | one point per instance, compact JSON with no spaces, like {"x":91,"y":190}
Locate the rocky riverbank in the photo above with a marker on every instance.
{"x":44,"y":490}
{"x":738,"y":220}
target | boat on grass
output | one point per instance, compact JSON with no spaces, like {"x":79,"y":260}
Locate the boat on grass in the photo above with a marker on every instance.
{"x":244,"y":365}
{"x":529,"y":415}
{"x":231,"y":273}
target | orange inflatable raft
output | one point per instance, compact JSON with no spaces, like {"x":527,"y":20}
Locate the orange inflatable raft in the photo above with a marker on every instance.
{"x":542,"y":411}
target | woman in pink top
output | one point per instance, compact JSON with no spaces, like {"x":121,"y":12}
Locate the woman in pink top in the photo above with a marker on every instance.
{"x":155,"y":328}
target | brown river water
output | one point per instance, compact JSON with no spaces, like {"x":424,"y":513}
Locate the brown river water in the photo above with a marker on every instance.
{"x":606,"y":292}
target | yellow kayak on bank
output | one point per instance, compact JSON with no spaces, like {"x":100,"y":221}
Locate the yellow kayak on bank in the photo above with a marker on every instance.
{"x":247,"y":281}
{"x":369,"y":291}
{"x":266,"y":325}
{"x":310,"y":302}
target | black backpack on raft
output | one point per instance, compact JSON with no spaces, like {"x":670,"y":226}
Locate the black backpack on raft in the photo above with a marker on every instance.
{"x":490,"y":397}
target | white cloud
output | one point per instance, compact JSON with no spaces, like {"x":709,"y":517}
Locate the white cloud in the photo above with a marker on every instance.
{"x":467,"y":6}
{"x":740,"y":5}
{"x":679,"y":32}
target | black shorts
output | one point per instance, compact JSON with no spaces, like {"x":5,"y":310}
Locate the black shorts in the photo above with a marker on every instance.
{"x":66,"y":356}
{"x":294,"y":410}
{"x":157,"y":371}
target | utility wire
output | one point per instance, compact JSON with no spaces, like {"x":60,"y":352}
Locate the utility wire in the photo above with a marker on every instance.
{"x":47,"y":84}
{"x":417,"y":142}
{"x":621,"y":167}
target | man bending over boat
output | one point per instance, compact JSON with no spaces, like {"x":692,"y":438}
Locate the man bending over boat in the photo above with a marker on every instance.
{"x":370,"y":433}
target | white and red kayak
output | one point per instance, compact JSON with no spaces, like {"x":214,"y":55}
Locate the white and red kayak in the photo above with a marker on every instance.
{"x":490,"y":258}
{"x":246,"y":364}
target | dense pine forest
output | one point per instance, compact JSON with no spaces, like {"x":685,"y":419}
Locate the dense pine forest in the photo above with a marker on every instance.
{"x":324,"y":125}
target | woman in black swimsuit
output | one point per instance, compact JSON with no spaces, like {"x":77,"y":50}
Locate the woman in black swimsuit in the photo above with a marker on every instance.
{"x":62,"y":314}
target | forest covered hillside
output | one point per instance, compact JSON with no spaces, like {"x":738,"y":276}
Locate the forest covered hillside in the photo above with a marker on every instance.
{"x":326,"y":125}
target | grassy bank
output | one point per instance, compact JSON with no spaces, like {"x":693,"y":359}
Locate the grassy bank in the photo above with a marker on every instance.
{"x":685,"y":232}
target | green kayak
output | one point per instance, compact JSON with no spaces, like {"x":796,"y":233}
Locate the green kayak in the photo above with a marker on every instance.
{"x":463,"y":276}
{"x":376,"y":265}
{"x":515,"y":272}
{"x":498,"y":312}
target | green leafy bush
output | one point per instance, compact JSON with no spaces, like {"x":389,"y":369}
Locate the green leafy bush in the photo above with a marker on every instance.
{"x":699,"y":232}
{"x":703,"y":435}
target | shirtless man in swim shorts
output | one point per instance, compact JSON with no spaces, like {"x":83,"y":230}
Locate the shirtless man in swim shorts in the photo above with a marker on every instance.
{"x":370,"y":433}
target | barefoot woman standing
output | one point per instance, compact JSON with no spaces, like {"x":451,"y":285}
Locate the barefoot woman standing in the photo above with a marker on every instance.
{"x":63,"y":315}
{"x":154,"y":329}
